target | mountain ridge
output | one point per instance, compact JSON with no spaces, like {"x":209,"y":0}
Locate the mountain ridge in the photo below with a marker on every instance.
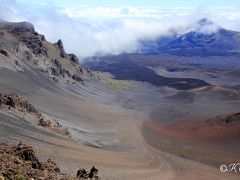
{"x":23,"y":48}
{"x":201,"y":41}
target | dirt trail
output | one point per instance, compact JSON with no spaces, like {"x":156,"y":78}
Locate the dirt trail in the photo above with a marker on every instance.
{"x":138,"y":161}
{"x":124,"y":153}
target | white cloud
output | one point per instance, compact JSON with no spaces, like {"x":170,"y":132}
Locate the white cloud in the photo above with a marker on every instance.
{"x":122,"y":12}
{"x":87,"y":31}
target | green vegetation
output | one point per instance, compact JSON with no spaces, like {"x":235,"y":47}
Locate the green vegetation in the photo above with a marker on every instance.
{"x":115,"y":84}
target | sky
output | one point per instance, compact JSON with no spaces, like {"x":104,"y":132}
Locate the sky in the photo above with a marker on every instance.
{"x":92,"y":27}
{"x":142,"y":3}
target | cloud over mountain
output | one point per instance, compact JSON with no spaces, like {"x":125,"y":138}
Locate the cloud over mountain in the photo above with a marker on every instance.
{"x":88,"y":31}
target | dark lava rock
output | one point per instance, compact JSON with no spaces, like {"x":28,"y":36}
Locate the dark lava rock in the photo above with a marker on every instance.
{"x":21,"y":162}
{"x":68,"y":73}
{"x":232,"y":118}
{"x":14,"y":101}
{"x":58,"y":69}
{"x":76,"y":77}
{"x":84,"y":174}
{"x":26,"y":153}
{"x":4,"y":52}
{"x":57,"y":64}
{"x":73,"y":58}
{"x":26,"y":33}
{"x":55,"y":72}
{"x":19,"y":27}
{"x":61,"y":48}
{"x":48,"y":123}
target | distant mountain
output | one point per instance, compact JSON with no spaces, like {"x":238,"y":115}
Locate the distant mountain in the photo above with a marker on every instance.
{"x":175,"y":53}
{"x":206,"y":39}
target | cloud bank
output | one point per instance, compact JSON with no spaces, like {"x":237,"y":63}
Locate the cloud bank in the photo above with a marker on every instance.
{"x":88,"y":31}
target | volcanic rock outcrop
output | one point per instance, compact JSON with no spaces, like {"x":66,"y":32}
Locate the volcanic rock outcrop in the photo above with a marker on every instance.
{"x":22,"y":48}
{"x":232,"y":118}
{"x":21,"y":162}
{"x":61,"y":48}
{"x":12,"y":100}
{"x":84,"y":174}
{"x":16,"y":104}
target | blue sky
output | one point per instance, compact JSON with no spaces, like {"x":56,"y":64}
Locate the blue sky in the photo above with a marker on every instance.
{"x":145,"y":3}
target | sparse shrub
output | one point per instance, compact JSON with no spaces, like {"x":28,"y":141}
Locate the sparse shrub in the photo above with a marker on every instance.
{"x":18,"y":177}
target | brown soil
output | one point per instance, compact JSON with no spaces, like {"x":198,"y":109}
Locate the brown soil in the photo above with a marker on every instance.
{"x":214,"y":140}
{"x":223,"y":128}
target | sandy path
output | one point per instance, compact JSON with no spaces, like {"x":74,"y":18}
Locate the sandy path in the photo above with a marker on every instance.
{"x":138,"y":161}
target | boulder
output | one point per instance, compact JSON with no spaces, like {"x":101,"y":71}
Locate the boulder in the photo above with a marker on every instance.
{"x":55,"y":72}
{"x":61,"y":48}
{"x":26,"y":153}
{"x":84,"y":174}
{"x":4,"y":52}
{"x":232,"y":118}
{"x":57,"y":64}
{"x":73,"y":58}
{"x":68,"y":73}
{"x":93,"y":173}
{"x":77,"y":78}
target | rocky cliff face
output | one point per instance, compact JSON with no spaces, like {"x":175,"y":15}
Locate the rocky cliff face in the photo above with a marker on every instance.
{"x":22,"y":48}
{"x":61,"y":48}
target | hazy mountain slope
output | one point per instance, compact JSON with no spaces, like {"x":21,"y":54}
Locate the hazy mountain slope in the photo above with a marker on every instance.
{"x":182,"y":61}
{"x":198,"y":42}
{"x":213,"y":93}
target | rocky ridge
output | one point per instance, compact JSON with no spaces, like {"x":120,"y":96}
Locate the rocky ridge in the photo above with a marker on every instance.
{"x":21,"y":107}
{"x":22,"y":47}
{"x":206,"y":39}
